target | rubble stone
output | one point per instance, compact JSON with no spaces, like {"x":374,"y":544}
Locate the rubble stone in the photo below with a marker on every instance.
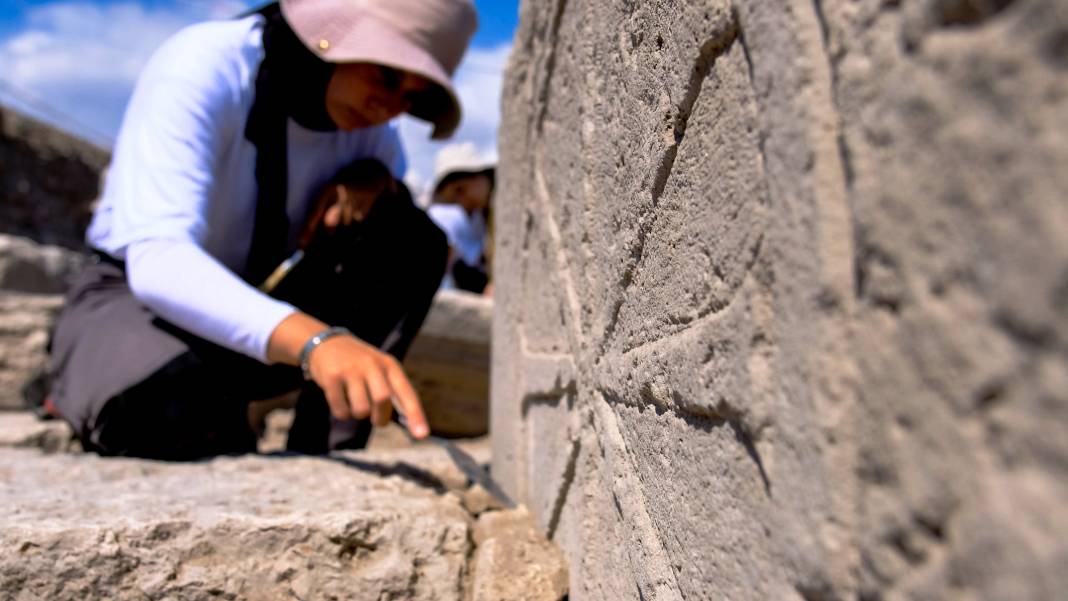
{"x":25,"y":320}
{"x":514,"y":562}
{"x":448,"y":363}
{"x":26,"y":266}
{"x":25,"y":430}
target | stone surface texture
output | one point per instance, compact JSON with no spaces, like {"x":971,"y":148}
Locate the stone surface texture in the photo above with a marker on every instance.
{"x":26,"y":266}
{"x":48,"y":181}
{"x":514,"y":562}
{"x":24,"y":430}
{"x":782,"y":296}
{"x":372,"y":525}
{"x":25,"y":320}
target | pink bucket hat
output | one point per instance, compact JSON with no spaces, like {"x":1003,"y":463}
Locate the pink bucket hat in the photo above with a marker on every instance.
{"x":426,"y":37}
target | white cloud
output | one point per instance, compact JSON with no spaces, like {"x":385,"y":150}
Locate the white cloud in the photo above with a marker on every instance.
{"x":75,"y":63}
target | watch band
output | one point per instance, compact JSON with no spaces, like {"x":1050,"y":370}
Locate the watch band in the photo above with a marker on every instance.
{"x":313,"y":342}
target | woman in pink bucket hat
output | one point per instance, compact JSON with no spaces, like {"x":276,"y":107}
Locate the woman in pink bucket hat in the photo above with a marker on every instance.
{"x":232,"y":133}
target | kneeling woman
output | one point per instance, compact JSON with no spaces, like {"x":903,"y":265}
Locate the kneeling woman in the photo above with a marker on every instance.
{"x":461,"y":206}
{"x":233,"y":129}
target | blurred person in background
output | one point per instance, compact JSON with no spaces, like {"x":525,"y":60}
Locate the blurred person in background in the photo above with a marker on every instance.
{"x":232,"y":132}
{"x":461,"y":199}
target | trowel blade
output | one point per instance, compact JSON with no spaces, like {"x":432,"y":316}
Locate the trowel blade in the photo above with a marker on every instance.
{"x":466,"y":464}
{"x":473,"y":470}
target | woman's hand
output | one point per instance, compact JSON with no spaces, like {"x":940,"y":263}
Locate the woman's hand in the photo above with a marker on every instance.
{"x":345,"y":202}
{"x":351,"y":205}
{"x":358,"y":379}
{"x":337,"y":206}
{"x":361,"y":381}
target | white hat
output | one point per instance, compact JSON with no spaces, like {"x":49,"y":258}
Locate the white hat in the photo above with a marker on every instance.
{"x":463,"y":157}
{"x":427,"y":37}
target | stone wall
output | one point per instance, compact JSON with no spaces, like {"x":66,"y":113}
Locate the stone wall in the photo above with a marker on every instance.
{"x":782,"y":296}
{"x":48,"y":181}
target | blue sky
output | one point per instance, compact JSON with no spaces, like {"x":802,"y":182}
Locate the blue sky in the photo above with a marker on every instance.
{"x":74,"y":62}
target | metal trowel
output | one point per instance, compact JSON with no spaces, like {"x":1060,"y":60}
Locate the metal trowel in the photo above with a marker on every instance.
{"x":462,"y":460}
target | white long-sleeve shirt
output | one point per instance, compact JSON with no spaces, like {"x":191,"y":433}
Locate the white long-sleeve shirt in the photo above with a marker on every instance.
{"x":466,"y":232}
{"x":179,"y":200}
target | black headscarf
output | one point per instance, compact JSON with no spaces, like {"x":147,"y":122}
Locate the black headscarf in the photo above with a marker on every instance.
{"x":291,"y":82}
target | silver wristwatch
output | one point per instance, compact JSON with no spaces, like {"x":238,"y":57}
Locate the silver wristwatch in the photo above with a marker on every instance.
{"x":309,"y":346}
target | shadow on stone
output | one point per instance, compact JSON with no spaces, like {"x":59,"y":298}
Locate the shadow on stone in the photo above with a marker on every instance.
{"x":401,"y":469}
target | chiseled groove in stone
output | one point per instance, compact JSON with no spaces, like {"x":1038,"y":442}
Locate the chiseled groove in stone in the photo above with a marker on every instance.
{"x":845,"y":156}
{"x":832,"y":201}
{"x":547,"y":378}
{"x":825,"y":32}
{"x":709,"y":312}
{"x":836,"y":252}
{"x":564,"y":489}
{"x":631,"y":504}
{"x":761,"y":133}
{"x":524,"y":347}
{"x":745,"y":48}
{"x":710,"y":50}
{"x":550,"y":63}
{"x":554,"y":380}
{"x":574,"y":325}
{"x":697,"y":324}
{"x":698,"y":417}
{"x":549,"y":398}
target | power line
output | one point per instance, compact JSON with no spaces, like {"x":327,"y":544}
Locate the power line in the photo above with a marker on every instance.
{"x":57,"y":116}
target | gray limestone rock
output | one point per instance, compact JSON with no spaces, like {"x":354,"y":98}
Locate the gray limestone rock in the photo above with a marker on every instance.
{"x":82,"y":527}
{"x":514,"y":562}
{"x":448,"y":363}
{"x":25,"y":320}
{"x":782,"y":296}
{"x":48,"y":181}
{"x":32,"y":279}
{"x":378,"y":524}
{"x":26,"y":266}
{"x":26,"y":431}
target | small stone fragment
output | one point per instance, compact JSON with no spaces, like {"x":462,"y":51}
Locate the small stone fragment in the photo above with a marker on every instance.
{"x":478,"y":500}
{"x":514,"y":562}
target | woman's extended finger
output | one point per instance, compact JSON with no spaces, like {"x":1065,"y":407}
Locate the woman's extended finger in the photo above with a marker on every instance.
{"x":337,"y":400}
{"x":357,"y":393}
{"x":346,"y":211}
{"x":313,"y":223}
{"x":381,"y":397}
{"x":332,"y":217}
{"x":408,"y":400}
